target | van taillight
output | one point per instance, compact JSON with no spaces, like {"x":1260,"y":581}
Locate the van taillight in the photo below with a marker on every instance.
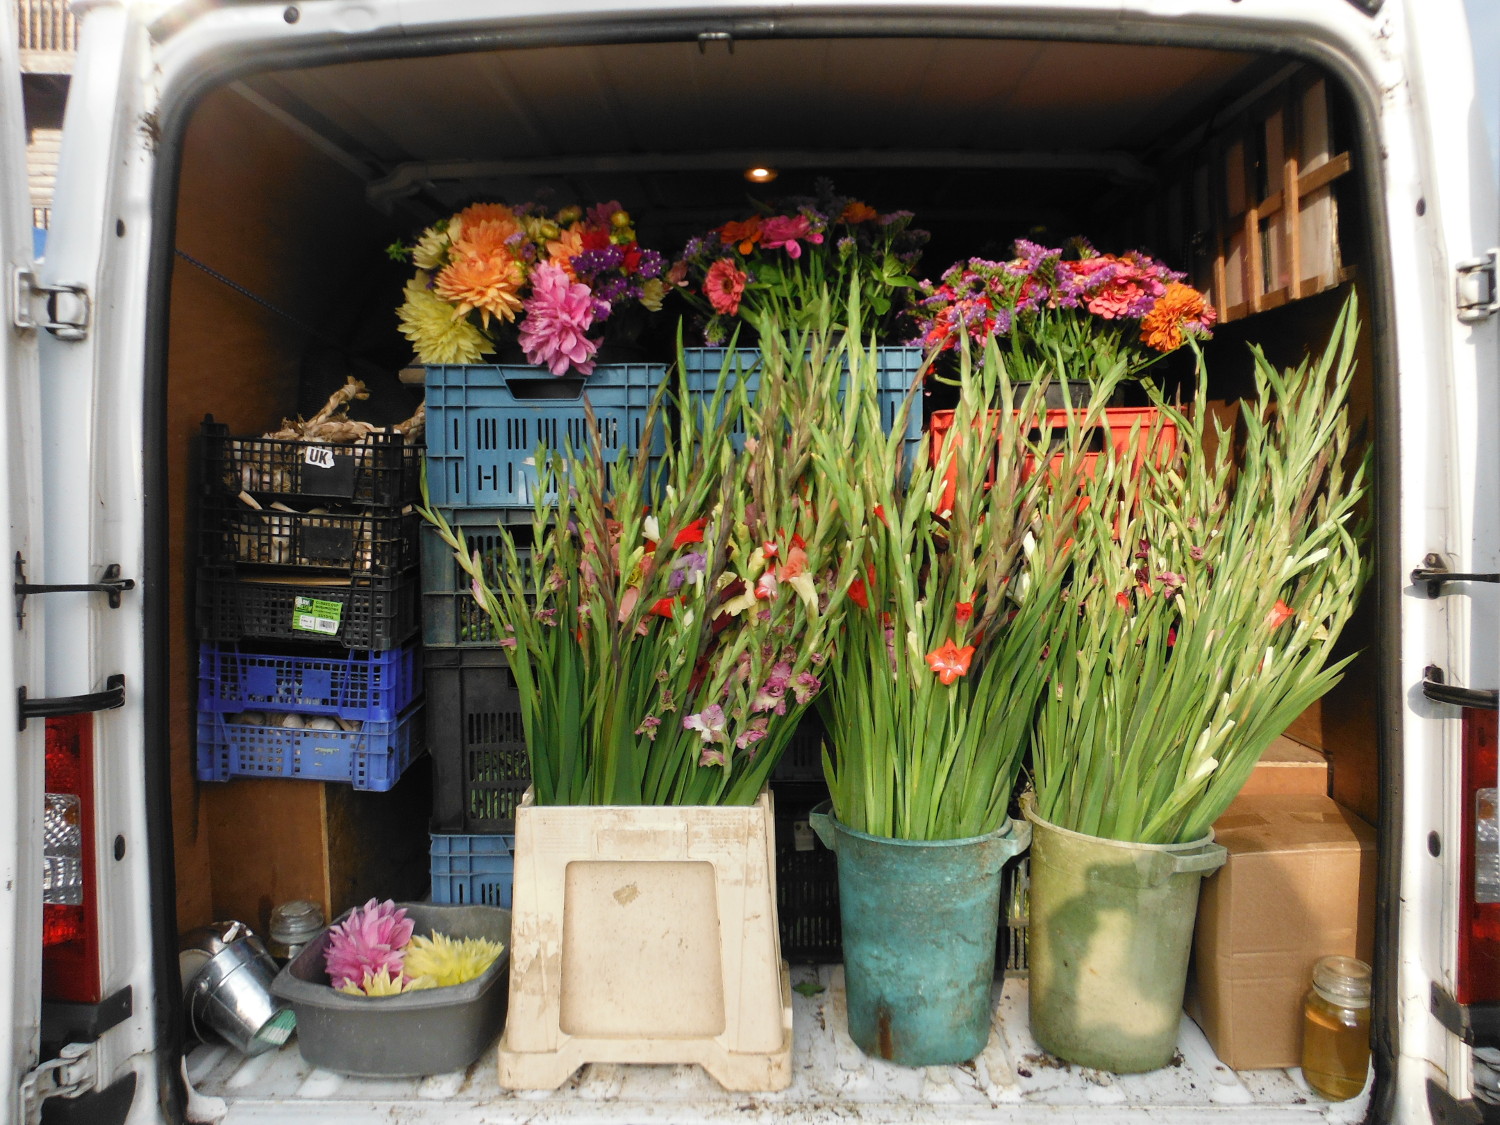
{"x":70,"y":928}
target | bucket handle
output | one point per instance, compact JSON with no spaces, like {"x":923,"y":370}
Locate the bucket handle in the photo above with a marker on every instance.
{"x":1208,"y":858}
{"x":821,"y":819}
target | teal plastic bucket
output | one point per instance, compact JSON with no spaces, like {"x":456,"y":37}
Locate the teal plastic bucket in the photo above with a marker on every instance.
{"x":920,"y":922}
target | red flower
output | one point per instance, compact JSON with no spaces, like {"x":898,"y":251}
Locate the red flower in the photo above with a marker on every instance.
{"x":963,"y":611}
{"x":692,"y":533}
{"x":724,"y":286}
{"x":1280,"y":614}
{"x":880,"y":512}
{"x":949,"y":661}
{"x":663,"y":608}
{"x":1122,"y":600}
{"x":858,"y":594}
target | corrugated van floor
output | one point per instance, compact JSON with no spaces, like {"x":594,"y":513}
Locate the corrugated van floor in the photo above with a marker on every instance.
{"x":833,"y":1082}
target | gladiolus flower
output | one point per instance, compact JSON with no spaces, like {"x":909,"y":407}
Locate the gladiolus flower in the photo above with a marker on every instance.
{"x":766,"y":587}
{"x":663,"y":607}
{"x":724,"y":285}
{"x":963,"y":611}
{"x":692,"y":533}
{"x":709,"y":723}
{"x":1279,"y":615}
{"x":949,"y":661}
{"x":1122,"y":600}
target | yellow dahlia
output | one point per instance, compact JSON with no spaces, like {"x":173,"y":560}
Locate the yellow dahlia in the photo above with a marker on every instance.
{"x":652,"y":292}
{"x":490,"y":284}
{"x":438,"y":337}
{"x":439,"y":961}
{"x":431,"y":249}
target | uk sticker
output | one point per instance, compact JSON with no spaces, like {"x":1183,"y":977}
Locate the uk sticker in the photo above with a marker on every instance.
{"x":319,"y":457}
{"x":313,"y":615}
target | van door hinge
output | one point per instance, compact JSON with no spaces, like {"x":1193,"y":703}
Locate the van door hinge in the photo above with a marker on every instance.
{"x":1478,"y":295}
{"x":75,"y":1071}
{"x":1434,"y":575}
{"x":63,"y":310}
{"x":111,"y":697}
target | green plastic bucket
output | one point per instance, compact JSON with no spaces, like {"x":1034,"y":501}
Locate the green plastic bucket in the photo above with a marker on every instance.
{"x":1111,"y":926}
{"x":920,"y":922}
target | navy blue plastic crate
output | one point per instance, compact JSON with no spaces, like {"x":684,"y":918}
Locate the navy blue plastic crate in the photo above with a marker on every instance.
{"x":371,"y":757}
{"x":473,"y":870}
{"x":450,"y":615}
{"x":479,"y":763}
{"x":897,"y":369}
{"x":369,"y":686}
{"x":485,"y":422}
{"x":381,"y":469}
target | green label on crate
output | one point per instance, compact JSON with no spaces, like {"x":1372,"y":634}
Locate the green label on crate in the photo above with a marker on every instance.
{"x":313,"y":615}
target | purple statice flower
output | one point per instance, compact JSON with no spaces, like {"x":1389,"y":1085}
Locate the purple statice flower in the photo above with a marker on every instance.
{"x":846,"y":246}
{"x":651,"y":264}
{"x":591,"y":263}
{"x":559,"y":313}
{"x":613,"y":290}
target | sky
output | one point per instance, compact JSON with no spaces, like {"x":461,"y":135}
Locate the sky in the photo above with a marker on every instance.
{"x":1484,"y":29}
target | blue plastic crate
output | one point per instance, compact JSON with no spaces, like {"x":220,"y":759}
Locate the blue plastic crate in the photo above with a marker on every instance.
{"x":485,"y":422}
{"x":473,"y":870}
{"x":372,"y":757}
{"x":896,"y":370}
{"x":369,"y":686}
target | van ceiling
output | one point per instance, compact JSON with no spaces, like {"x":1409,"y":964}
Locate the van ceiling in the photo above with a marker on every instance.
{"x":667,"y":127}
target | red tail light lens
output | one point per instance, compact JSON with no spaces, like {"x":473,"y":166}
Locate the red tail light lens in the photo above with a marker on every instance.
{"x":70,"y":927}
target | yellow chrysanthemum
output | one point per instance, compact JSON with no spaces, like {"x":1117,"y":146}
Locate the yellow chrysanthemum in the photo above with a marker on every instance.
{"x":428,"y":322}
{"x":431,"y":249}
{"x":445,"y":961}
{"x":490,"y":284}
{"x":652,"y":293}
{"x":562,"y":249}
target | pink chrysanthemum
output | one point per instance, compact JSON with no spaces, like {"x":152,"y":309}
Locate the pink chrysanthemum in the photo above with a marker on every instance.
{"x":370,"y":939}
{"x":558,"y":314}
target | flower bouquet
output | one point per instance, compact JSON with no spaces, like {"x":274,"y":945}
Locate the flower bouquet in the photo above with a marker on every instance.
{"x":776,"y":268}
{"x":1078,"y":316}
{"x":552,"y":283}
{"x":375,"y":951}
{"x":1205,"y":607}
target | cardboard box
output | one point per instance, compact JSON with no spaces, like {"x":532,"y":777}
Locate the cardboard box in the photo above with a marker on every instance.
{"x":1299,"y":884}
{"x":1288,"y":767}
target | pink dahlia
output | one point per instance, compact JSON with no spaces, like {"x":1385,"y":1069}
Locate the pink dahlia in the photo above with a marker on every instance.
{"x":370,"y":939}
{"x":558,"y":314}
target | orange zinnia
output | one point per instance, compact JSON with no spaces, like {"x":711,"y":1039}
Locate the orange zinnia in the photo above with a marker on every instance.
{"x":1178,"y":311}
{"x":857,"y":212}
{"x":949,"y":661}
{"x":490,"y":285}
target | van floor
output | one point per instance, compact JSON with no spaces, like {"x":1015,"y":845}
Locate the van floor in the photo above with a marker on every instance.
{"x":1013,"y":1080}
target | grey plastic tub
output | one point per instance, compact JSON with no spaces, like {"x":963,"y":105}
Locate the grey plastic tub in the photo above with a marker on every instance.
{"x":433,"y":1031}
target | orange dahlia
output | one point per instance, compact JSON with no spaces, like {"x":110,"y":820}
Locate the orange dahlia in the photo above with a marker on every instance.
{"x":564,"y":248}
{"x":490,"y":284}
{"x":487,"y":237}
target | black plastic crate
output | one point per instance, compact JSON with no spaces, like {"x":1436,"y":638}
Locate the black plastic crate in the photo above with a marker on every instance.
{"x":358,"y":613}
{"x":349,"y":541}
{"x":450,"y":615}
{"x":380,"y":469}
{"x":807,"y":878}
{"x":802,"y":760}
{"x":478,"y":745}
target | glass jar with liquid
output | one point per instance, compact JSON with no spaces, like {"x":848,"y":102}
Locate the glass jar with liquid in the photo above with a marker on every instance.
{"x":1336,"y":1028}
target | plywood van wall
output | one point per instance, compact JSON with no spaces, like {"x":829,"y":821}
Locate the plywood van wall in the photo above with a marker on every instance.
{"x":262,"y":207}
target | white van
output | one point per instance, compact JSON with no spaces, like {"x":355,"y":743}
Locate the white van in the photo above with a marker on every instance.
{"x":230,"y":174}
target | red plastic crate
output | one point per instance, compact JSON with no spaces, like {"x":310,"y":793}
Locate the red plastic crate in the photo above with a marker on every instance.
{"x":1116,"y":424}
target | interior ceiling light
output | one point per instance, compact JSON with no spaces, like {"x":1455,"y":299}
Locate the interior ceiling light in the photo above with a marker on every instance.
{"x":760,"y":174}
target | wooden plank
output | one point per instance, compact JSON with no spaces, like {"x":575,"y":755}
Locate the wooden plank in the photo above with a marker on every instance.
{"x":1273,"y":251}
{"x":1337,"y":165}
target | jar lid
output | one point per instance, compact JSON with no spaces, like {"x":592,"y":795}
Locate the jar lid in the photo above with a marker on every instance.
{"x":296,"y":921}
{"x":1343,"y":980}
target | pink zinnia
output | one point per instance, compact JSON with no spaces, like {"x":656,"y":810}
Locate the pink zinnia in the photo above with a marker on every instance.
{"x":723,"y":287}
{"x":558,"y":314}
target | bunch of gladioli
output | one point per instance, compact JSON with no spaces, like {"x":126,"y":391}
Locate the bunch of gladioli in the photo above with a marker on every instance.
{"x":493,"y":273}
{"x":1063,"y":314}
{"x":670,"y":625}
{"x":374,"y":952}
{"x":772,"y":269}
